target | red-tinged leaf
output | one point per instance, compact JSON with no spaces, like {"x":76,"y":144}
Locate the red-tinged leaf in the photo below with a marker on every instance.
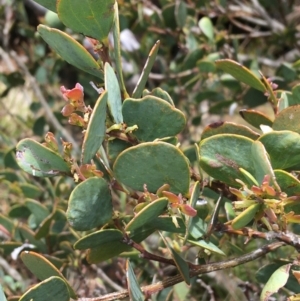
{"x":188,"y":210}
{"x":173,"y":198}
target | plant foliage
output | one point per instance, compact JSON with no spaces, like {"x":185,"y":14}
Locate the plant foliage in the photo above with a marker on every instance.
{"x":104,"y":191}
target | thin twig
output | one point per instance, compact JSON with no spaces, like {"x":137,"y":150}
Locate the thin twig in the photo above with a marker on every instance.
{"x":201,"y":269}
{"x":108,"y":281}
{"x":49,"y":114}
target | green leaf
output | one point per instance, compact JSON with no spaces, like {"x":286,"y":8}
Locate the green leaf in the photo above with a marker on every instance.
{"x":96,"y":239}
{"x":198,"y":227}
{"x":228,"y":128}
{"x":276,"y":281}
{"x":19,"y":211}
{"x":44,"y":227}
{"x":222,"y":156}
{"x":42,"y":268}
{"x":110,"y":249}
{"x":95,"y":132}
{"x":287,"y":119}
{"x":296,"y":94}
{"x":117,"y":50}
{"x":241,"y":73}
{"x":284,"y":101}
{"x":138,"y":90}
{"x":165,"y":223}
{"x":115,"y":147}
{"x":181,"y":264}
{"x":148,"y":213}
{"x":159,"y":93}
{"x":244,"y":218}
{"x":206,"y":66}
{"x":39,"y":211}
{"x":134,"y":289}
{"x":90,"y":204}
{"x":50,"y":4}
{"x":39,"y":160}
{"x":287,"y":182}
{"x":9,"y":175}
{"x":154,"y":117}
{"x":283,"y":148}
{"x":113,"y":93}
{"x":207,"y":28}
{"x":261,"y":162}
{"x":6,"y":223}
{"x":70,"y":50}
{"x":91,"y":18}
{"x":106,"y":251}
{"x":30,"y":190}
{"x":153,"y":164}
{"x":265,"y":272}
{"x":27,"y":235}
{"x":180,"y":13}
{"x":207,"y":245}
{"x":8,"y":247}
{"x":53,"y":288}
{"x":256,"y":118}
{"x":291,"y":186}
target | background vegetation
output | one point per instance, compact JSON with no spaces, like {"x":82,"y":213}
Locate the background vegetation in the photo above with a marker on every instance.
{"x":261,"y":35}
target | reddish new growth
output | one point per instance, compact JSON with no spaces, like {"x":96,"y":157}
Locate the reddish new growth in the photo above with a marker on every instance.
{"x":75,"y":102}
{"x":177,"y":201}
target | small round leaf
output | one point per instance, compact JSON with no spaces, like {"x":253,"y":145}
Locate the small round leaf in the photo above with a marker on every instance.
{"x":153,"y":164}
{"x":154,"y":117}
{"x":90,"y":205}
{"x":39,"y":160}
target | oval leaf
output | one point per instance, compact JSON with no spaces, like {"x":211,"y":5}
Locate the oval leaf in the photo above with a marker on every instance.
{"x":95,"y":132}
{"x":241,"y":73}
{"x":53,"y":288}
{"x":287,"y":119}
{"x":148,"y":213}
{"x":90,"y":204}
{"x":276,"y":281}
{"x":219,"y":159}
{"x":283,"y":148}
{"x":154,"y":117}
{"x":134,"y":289}
{"x":228,"y":128}
{"x":138,"y":90}
{"x":89,"y":17}
{"x":153,"y":164}
{"x":244,"y":218}
{"x":180,"y":263}
{"x":39,"y":160}
{"x":96,"y":239}
{"x":207,"y":28}
{"x":207,"y":245}
{"x":70,"y":50}
{"x":42,"y":268}
{"x":114,"y":94}
{"x":287,"y":182}
{"x":261,"y":162}
{"x":256,"y":118}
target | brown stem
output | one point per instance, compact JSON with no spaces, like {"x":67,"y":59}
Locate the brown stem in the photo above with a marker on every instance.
{"x":202,"y":269}
{"x":288,"y":238}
